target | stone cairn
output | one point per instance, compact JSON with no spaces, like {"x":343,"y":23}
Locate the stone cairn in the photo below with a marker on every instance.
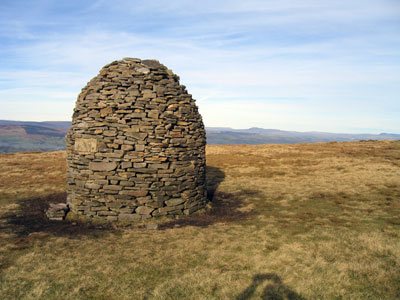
{"x":136,"y":147}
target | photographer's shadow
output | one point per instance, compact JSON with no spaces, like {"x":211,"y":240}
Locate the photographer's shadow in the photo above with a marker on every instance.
{"x":274,"y":290}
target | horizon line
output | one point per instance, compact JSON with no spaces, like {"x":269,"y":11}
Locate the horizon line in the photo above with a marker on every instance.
{"x":253,"y":127}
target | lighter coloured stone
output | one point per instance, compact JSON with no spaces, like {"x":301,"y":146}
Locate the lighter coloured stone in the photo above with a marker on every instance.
{"x":105,"y":111}
{"x":143,"y":70}
{"x":86,"y":145}
{"x":144,"y":210}
{"x":174,"y":201}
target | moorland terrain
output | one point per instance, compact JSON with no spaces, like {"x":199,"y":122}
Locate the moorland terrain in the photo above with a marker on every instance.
{"x":300,"y":221}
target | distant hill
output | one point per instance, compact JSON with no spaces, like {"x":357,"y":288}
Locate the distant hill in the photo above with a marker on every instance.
{"x":255,"y":136}
{"x":20,"y":136}
{"x":65,"y":125}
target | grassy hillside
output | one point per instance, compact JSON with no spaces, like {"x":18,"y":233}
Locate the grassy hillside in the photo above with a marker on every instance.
{"x":304,"y":221}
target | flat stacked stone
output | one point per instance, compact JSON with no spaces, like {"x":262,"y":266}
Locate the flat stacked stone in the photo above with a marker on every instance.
{"x":136,"y":147}
{"x":57,"y":211}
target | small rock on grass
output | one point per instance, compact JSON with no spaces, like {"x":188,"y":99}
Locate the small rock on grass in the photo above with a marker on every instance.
{"x":57,"y":211}
{"x":152,"y":226}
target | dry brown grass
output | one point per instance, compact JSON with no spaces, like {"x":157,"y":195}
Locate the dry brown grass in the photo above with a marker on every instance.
{"x":31,"y":174}
{"x":306,"y":221}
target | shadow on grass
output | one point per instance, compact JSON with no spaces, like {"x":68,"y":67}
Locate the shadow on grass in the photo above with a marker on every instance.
{"x":214,"y":178}
{"x":30,"y":218}
{"x":29,"y":224}
{"x":274,"y":289}
{"x":224,"y":207}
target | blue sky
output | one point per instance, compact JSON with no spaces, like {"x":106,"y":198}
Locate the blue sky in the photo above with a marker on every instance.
{"x":329,"y":65}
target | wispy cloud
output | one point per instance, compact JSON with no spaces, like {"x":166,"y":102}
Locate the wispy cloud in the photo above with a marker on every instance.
{"x":238,"y":58}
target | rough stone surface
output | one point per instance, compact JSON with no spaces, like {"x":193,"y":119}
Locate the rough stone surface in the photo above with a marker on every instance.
{"x":136,"y":147}
{"x":57,"y":211}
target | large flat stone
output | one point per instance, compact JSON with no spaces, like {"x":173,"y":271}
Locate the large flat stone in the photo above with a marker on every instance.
{"x":102,"y":166}
{"x":144,"y":210}
{"x":86,"y":145}
{"x":136,"y":135}
{"x":135,"y":193}
{"x":112,"y":187}
{"x":174,"y":201}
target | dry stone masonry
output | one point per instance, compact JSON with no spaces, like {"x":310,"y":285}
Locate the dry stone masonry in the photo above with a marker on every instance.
{"x":57,"y":211}
{"x":136,"y":148}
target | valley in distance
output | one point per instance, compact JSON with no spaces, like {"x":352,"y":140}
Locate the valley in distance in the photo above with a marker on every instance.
{"x":23,"y":136}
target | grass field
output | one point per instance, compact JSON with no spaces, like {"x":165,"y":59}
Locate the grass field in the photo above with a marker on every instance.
{"x":305,"y":221}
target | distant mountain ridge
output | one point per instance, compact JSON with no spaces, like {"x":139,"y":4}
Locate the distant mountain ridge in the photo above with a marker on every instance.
{"x":20,"y":136}
{"x":254,"y":136}
{"x":52,"y":124}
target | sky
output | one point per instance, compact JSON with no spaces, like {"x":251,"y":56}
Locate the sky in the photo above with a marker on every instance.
{"x":306,"y":65}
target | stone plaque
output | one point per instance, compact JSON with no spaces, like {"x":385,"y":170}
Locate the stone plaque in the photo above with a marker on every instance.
{"x":86,"y":145}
